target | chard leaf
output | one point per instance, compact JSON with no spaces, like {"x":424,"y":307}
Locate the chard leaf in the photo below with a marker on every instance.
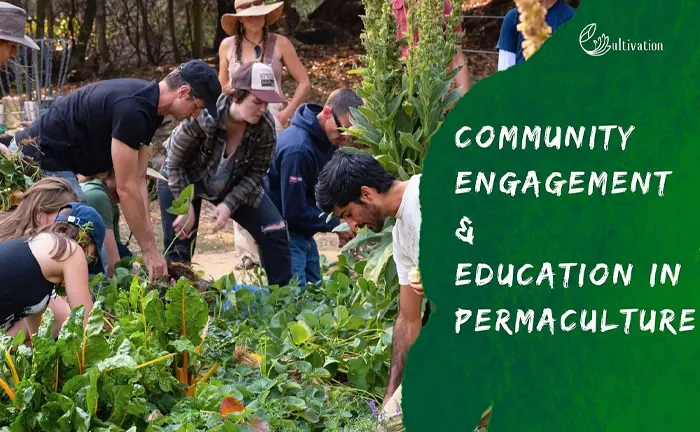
{"x":186,"y":312}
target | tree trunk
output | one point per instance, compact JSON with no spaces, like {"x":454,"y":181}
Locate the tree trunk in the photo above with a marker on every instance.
{"x":49,"y":17}
{"x":222,"y":7}
{"x":101,"y":29}
{"x":85,"y":33}
{"x":173,"y":35}
{"x":40,"y":18}
{"x":197,"y":21}
{"x":141,"y":4}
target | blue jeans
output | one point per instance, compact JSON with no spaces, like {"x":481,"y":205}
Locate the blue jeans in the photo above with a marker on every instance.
{"x":306,"y":263}
{"x":264,"y":223}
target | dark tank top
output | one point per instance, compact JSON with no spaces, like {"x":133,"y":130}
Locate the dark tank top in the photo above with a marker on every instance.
{"x":23,"y":289}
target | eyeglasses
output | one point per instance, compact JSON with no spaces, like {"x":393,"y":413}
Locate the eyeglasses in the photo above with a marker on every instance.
{"x":249,"y":5}
{"x":199,"y":108}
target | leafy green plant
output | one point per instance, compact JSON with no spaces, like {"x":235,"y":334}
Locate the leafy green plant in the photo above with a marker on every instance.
{"x":17,"y":174}
{"x":406,"y":101}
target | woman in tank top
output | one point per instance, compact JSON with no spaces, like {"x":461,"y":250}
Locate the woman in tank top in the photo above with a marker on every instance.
{"x":250,"y":40}
{"x":32,"y":267}
{"x":39,"y":207}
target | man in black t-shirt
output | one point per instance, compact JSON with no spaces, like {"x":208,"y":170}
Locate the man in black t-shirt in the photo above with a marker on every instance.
{"x":110,"y":124}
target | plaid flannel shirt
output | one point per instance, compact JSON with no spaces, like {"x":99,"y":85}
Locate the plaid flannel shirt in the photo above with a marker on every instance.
{"x":194,"y":151}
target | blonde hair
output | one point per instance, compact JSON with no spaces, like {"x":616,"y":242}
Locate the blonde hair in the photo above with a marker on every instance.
{"x":48,"y":195}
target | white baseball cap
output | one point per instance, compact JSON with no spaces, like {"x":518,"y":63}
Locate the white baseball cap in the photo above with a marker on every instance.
{"x":259,"y":79}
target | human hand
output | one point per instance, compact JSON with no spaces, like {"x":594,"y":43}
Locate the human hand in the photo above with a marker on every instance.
{"x":344,"y":237}
{"x":155,"y":263}
{"x":283,"y":116}
{"x":417,"y":288}
{"x":223,"y":214}
{"x":183,"y":224}
{"x":4,"y":150}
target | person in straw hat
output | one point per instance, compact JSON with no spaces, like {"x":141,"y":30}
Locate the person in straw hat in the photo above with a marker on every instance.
{"x":13,"y":21}
{"x":251,"y":40}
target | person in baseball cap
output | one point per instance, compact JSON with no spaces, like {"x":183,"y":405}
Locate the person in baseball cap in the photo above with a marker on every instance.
{"x":85,"y":217}
{"x":234,"y":184}
{"x":258,"y":79}
{"x":13,"y":21}
{"x":203,"y":81}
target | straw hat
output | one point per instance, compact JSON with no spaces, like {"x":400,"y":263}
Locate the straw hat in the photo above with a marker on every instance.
{"x":271,"y":12}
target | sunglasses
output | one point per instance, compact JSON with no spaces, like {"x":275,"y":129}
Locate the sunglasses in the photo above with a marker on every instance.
{"x":338,"y":124}
{"x":250,"y":4}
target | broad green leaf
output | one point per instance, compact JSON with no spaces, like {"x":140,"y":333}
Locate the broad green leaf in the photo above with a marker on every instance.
{"x":44,"y":361}
{"x":154,"y":310}
{"x":301,"y":332}
{"x":295,"y":403}
{"x":186,"y":312}
{"x":70,"y":339}
{"x":181,"y":205}
{"x":181,"y":345}
{"x":303,"y":366}
{"x":321,"y":373}
{"x":409,"y":141}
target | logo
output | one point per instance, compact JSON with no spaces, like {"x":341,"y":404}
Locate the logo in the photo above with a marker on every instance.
{"x":598,"y":46}
{"x":267,"y":80}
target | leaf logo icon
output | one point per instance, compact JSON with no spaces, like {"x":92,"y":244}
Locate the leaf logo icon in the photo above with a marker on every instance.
{"x":601,"y":45}
{"x":587,"y":33}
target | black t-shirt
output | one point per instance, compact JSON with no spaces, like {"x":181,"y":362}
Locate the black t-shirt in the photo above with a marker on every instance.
{"x":76,"y":133}
{"x":24,"y":290}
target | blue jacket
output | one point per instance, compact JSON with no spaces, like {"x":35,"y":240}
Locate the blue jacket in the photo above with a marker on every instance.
{"x":302,"y":151}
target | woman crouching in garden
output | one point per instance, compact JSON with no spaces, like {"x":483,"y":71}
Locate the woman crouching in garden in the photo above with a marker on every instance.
{"x":39,"y":207}
{"x":226,"y":156}
{"x":32,"y":267}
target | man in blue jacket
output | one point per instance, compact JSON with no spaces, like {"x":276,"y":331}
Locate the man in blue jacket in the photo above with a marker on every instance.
{"x":301,"y":153}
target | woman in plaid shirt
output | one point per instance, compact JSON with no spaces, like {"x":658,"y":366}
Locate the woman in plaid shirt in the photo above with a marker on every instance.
{"x":226,"y":156}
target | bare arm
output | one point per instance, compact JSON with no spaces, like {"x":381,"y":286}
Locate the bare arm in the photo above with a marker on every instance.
{"x":144,"y":153}
{"x":224,"y":51}
{"x":112,"y":251}
{"x":297,"y":71}
{"x":462,"y":78}
{"x":406,"y":331}
{"x":75,"y":278}
{"x":130,"y":193}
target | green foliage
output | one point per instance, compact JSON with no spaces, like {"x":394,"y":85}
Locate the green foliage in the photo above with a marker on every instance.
{"x":17,"y":174}
{"x":406,"y":101}
{"x":166,"y":358}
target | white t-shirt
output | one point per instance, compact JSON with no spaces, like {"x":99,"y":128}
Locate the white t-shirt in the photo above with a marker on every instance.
{"x":406,"y":232}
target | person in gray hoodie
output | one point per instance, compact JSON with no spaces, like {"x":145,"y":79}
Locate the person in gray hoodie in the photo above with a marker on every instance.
{"x":302,"y":150}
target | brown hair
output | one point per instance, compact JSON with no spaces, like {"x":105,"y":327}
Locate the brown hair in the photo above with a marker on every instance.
{"x":238,"y":96}
{"x":47,"y":196}
{"x":64,"y":234}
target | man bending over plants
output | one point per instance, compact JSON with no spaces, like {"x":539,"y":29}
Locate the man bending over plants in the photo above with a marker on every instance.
{"x":355,"y":187}
{"x":110,"y":124}
{"x":302,"y":151}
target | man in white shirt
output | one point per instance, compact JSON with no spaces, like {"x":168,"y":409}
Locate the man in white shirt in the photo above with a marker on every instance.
{"x":356,"y":188}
